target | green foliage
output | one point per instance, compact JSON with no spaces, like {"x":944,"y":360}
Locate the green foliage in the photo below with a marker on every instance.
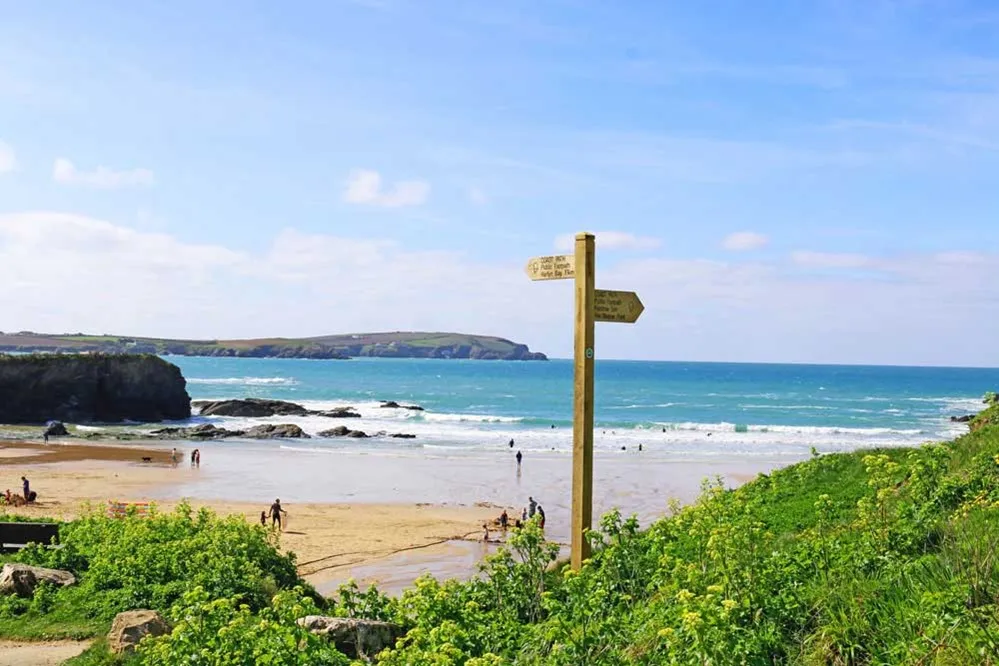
{"x":876,"y":557}
{"x":224,"y":631}
{"x":145,"y":562}
{"x":990,"y":398}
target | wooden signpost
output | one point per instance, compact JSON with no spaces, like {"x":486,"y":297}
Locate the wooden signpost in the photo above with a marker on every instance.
{"x":591,"y":305}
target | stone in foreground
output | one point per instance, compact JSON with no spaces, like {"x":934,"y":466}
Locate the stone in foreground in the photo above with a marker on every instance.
{"x":132,"y":626}
{"x":21,"y":579}
{"x":358,"y":639}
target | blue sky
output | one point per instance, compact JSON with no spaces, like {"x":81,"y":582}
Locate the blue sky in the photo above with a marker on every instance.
{"x":780,"y":181}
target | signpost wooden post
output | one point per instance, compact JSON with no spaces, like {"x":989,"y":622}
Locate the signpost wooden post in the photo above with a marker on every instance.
{"x":591,"y":305}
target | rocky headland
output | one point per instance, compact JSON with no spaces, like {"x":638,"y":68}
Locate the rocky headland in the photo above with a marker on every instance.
{"x":92,"y":388}
{"x":378,"y":345}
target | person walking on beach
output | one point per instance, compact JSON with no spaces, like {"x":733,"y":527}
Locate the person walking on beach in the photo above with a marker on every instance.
{"x":511,"y":443}
{"x":173,"y":456}
{"x":485,"y":533}
{"x":263,"y":518}
{"x":276,"y":512}
{"x":197,"y":457}
{"x":541,"y":512}
{"x":520,"y":457}
{"x":27,"y":488}
{"x":523,"y":515}
{"x":192,"y":456}
{"x":531,"y":507}
{"x":504,"y":519}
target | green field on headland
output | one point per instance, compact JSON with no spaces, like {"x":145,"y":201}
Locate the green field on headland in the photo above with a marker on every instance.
{"x":873,"y":557}
{"x":382,"y":345}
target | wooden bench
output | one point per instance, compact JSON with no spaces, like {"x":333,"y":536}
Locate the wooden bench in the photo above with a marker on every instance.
{"x":15,"y":536}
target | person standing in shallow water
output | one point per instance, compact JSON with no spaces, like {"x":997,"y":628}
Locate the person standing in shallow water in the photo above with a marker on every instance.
{"x":520,"y":457}
{"x":531,"y":507}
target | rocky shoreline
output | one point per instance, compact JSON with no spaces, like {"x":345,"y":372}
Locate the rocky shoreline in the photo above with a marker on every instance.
{"x":243,"y":408}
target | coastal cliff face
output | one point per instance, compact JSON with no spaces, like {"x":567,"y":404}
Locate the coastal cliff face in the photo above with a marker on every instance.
{"x":82,"y":388}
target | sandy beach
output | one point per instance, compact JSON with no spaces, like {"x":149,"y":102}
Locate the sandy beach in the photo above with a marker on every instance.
{"x":326,"y":538}
{"x":378,"y":519}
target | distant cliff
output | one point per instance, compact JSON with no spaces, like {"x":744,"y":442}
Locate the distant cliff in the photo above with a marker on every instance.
{"x":78,"y":388}
{"x":382,"y":345}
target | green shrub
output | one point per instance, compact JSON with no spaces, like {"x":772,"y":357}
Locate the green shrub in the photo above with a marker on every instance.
{"x":151,"y":562}
{"x":224,"y":631}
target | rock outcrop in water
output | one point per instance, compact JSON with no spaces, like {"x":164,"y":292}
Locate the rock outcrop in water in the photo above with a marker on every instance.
{"x":82,"y":388}
{"x":250,"y":407}
{"x":258,"y":408}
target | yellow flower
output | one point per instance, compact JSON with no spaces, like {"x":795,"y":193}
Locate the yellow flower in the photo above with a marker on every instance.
{"x":691,"y":620}
{"x":715,"y":589}
{"x":683,"y":596}
{"x":666,"y":632}
{"x":729,"y":604}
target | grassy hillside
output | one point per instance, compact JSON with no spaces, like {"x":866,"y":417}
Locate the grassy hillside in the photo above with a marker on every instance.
{"x":873,"y":557}
{"x":393,"y":345}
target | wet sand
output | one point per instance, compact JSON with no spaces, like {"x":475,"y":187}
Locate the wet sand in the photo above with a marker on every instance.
{"x":378,"y":518}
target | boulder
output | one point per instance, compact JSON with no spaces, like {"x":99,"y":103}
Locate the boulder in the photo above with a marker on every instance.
{"x":132,"y":626}
{"x":55,"y":429}
{"x":392,"y":404}
{"x":203,"y":431}
{"x":338,"y":413}
{"x":252,"y":407}
{"x":275,"y":431}
{"x":343,"y":431}
{"x":962,"y":419}
{"x":21,"y":579}
{"x":339,"y":431}
{"x":87,"y":388}
{"x":358,"y":639}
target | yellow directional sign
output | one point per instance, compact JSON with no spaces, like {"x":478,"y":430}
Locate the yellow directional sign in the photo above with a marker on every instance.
{"x":554,"y":267}
{"x":619,"y":306}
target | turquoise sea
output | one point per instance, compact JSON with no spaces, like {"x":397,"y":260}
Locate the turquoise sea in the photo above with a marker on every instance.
{"x":698,"y":409}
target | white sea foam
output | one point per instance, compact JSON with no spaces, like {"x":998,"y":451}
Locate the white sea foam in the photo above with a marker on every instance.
{"x":244,"y":381}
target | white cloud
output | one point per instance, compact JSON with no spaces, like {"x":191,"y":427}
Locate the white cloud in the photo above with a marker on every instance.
{"x":809,"y":259}
{"x":61,"y":272}
{"x":65,"y":172}
{"x":610,"y":240}
{"x":364,"y":186}
{"x":744,"y":241}
{"x":8,"y":161}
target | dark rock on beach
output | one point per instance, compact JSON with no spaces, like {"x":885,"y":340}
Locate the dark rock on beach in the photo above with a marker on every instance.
{"x":86,"y":388}
{"x":403,"y":435}
{"x":251,"y":407}
{"x":962,"y":419}
{"x":55,"y":429}
{"x":205,"y":431}
{"x":275,"y":431}
{"x":343,"y":431}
